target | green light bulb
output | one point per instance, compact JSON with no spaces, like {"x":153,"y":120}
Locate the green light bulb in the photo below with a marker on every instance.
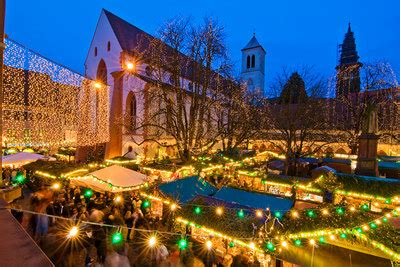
{"x":88,"y":193}
{"x":297,"y":242}
{"x":182,"y":244}
{"x":240,"y":214}
{"x":146,"y":204}
{"x":278,"y":214}
{"x":340,"y":211}
{"x":197,"y":210}
{"x":343,"y":235}
{"x":270,"y":246}
{"x":116,"y":238}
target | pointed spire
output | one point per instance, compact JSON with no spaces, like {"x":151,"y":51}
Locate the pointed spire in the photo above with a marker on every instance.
{"x":349,"y":53}
{"x":253,"y":43}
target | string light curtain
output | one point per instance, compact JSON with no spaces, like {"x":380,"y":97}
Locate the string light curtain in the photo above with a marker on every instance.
{"x":48,"y":105}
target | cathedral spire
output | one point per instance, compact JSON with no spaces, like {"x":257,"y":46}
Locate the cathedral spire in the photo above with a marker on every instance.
{"x":349,"y":53}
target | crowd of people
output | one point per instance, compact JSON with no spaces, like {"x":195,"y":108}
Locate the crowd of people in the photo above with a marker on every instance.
{"x":10,"y":174}
{"x":100,"y":215}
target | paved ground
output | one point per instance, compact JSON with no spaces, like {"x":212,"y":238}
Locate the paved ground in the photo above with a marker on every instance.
{"x":16,"y":247}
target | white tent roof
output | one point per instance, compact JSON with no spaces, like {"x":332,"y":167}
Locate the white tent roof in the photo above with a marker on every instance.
{"x":121,"y":178}
{"x":21,"y":158}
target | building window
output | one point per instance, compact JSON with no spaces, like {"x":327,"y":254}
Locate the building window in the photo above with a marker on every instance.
{"x":190,"y":86}
{"x":108,"y":46}
{"x":248,"y":62}
{"x":95,"y":51}
{"x":171,"y":80}
{"x":253,"y":61}
{"x":131,"y":111}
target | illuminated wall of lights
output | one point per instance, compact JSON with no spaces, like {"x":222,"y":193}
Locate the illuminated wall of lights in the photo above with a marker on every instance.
{"x":48,"y":105}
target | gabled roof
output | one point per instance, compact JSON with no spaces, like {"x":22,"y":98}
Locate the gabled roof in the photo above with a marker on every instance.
{"x":253,"y":43}
{"x":132,"y":39}
{"x":128,"y":36}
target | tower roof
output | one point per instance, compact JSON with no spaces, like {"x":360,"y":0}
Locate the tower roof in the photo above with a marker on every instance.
{"x":349,"y":53}
{"x":253,"y":43}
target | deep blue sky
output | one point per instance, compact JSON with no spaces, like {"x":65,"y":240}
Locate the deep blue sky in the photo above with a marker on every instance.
{"x":292,"y":32}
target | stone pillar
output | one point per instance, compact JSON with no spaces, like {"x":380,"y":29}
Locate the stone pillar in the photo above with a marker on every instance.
{"x":367,"y":152}
{"x":114,"y":146}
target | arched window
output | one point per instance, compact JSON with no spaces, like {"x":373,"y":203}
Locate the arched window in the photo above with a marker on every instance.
{"x":190,"y":86}
{"x":95,"y":51}
{"x":101,"y":77}
{"x":253,"y":61}
{"x":248,"y":62}
{"x":131,"y":111}
{"x":108,"y":46}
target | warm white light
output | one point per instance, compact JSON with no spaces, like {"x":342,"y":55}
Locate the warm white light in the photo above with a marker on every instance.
{"x":259,"y":213}
{"x":209,"y":244}
{"x":332,"y":237}
{"x":352,"y":209}
{"x":173,"y":207}
{"x":252,"y":245}
{"x":130,"y":65}
{"x":97,"y":85}
{"x":312,"y":242}
{"x":219,"y":211}
{"x":325,"y":212}
{"x":295,"y":214}
{"x":56,"y":186}
{"x":284,"y":244}
{"x":152,"y":241}
{"x":73,"y":232}
{"x":118,"y":199}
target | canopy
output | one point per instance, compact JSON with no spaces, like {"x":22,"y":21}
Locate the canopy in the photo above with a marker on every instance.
{"x":23,"y":158}
{"x":186,"y":189}
{"x":114,"y":179}
{"x":253,"y":200}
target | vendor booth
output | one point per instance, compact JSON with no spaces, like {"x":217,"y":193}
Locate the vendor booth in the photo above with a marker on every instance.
{"x":22,"y":158}
{"x":113,"y":179}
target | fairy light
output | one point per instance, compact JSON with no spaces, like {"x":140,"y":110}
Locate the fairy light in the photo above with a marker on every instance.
{"x":173,"y":207}
{"x":116,"y":238}
{"x":312,"y":242}
{"x":73,"y":232}
{"x":64,"y":107}
{"x":259,"y":213}
{"x":152,"y":241}
{"x":209,"y":244}
{"x":219,"y":211}
{"x":56,"y":186}
{"x":129,"y":65}
{"x":284,"y":244}
{"x":118,"y":199}
{"x":295,"y":214}
{"x":324,"y":212}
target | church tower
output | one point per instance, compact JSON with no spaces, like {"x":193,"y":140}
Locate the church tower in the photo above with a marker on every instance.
{"x":253,"y":66}
{"x":348,"y":70}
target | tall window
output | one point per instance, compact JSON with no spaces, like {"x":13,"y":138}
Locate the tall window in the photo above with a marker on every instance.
{"x":253,"y":61}
{"x":108,"y":46}
{"x":248,"y":62}
{"x":131,"y":111}
{"x":95,"y":51}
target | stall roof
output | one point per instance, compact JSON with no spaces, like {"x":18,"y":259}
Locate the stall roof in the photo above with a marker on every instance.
{"x":186,"y":189}
{"x":253,"y":200}
{"x":22,"y":158}
{"x":388,"y":165}
{"x":116,"y":175}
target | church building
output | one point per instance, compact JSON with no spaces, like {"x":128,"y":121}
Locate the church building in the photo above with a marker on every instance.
{"x":111,"y":61}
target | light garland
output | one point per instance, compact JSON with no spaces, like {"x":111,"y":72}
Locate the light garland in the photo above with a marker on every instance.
{"x":46,"y":104}
{"x":110,"y":185}
{"x":250,"y":245}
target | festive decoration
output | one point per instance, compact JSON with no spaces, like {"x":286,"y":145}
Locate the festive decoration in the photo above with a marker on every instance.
{"x":116,"y":238}
{"x":88,"y":193}
{"x":182,"y":244}
{"x":64,"y":107}
{"x":73,"y":232}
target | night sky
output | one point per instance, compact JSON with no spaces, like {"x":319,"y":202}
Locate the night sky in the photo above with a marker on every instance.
{"x":294,"y":33}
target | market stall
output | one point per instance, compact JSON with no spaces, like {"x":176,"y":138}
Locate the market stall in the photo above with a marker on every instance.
{"x":114,"y":179}
{"x":22,"y":158}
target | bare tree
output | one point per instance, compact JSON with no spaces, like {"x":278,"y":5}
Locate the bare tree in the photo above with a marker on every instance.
{"x":377,"y":90}
{"x":185,"y":63}
{"x":297,"y":120}
{"x":239,"y":117}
